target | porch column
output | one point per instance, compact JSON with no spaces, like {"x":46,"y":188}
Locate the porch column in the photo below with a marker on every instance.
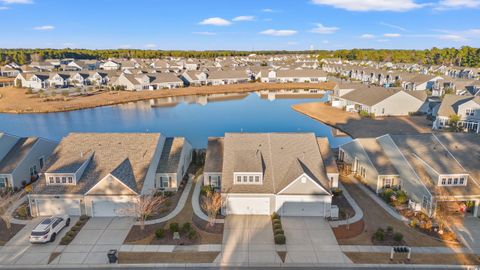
{"x":475,"y":208}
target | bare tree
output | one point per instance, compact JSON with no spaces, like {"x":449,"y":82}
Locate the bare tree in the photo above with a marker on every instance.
{"x":145,"y":205}
{"x":7,"y":199}
{"x":212,"y":203}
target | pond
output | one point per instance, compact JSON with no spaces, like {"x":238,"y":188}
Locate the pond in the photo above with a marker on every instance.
{"x":194,"y":117}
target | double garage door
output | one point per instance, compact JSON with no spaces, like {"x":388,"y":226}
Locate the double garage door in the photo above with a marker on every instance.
{"x":285,"y":205}
{"x":112,"y":208}
{"x":52,"y":206}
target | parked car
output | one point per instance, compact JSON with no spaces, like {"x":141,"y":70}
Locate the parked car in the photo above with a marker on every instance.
{"x":49,"y":228}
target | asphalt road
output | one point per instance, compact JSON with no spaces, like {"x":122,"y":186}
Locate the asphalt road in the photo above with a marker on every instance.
{"x":369,"y":267}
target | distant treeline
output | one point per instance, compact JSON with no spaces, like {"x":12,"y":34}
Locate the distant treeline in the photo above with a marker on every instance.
{"x":465,"y":56}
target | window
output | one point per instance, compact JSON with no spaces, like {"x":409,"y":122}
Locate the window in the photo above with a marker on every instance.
{"x":64,"y":180}
{"x":257,"y":179}
{"x":245,"y":179}
{"x":449,"y":181}
{"x":164,"y":182}
{"x":444,"y":181}
{"x":470,"y":112}
{"x":239,"y":179}
{"x":462,"y":181}
{"x":57,"y":180}
{"x":455,"y":181}
{"x":3,"y":182}
{"x":387,"y":182}
{"x":70,"y":179}
{"x":41,"y":161}
{"x":33,"y":170}
{"x":250,"y":179}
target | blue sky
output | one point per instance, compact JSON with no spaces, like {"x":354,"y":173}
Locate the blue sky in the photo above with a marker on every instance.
{"x":239,"y":24}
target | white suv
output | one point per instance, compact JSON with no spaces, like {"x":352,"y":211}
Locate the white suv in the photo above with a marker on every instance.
{"x":48,"y":229}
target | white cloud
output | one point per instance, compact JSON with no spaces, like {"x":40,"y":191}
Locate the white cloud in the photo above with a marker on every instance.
{"x":243,"y":19}
{"x":394,"y":26}
{"x":44,"y":27}
{"x":279,"y":33}
{"x":17,"y":1}
{"x":394,"y":35}
{"x":453,"y":4}
{"x":456,"y":38}
{"x":3,"y":8}
{"x":150,"y":45}
{"x":268,"y":10}
{"x":217,"y":21}
{"x":371,"y":5}
{"x":205,"y":33}
{"x":367,"y":36}
{"x":321,"y":29}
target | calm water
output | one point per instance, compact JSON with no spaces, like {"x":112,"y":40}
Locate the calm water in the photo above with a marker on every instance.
{"x":194,"y":117}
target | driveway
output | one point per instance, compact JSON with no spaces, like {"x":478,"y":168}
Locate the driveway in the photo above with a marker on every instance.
{"x":468,"y":231}
{"x":95,"y":239}
{"x":310,"y":240}
{"x":248,"y":240}
{"x":21,"y":252}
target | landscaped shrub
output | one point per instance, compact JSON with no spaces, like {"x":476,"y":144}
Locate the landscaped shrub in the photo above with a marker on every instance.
{"x":276,"y":221}
{"x":363,"y":113}
{"x":279,"y":239}
{"x":205,"y":190}
{"x":66,"y":240}
{"x":192,"y":235}
{"x":387,"y":194}
{"x":379,"y":235}
{"x":337,"y":192}
{"x":84,"y":218}
{"x":23,"y":211}
{"x":160,"y":233}
{"x":278,"y":231}
{"x":398,"y":237}
{"x":168,"y":194}
{"x":277,"y":226}
{"x":186,"y":227}
{"x":174,"y":227}
{"x":389,"y":229}
{"x":71,"y":233}
{"x":275,"y":216}
{"x":402,"y":197}
{"x":75,"y":228}
{"x":167,"y":203}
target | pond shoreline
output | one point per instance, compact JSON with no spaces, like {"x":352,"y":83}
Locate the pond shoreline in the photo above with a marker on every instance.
{"x":16,"y":101}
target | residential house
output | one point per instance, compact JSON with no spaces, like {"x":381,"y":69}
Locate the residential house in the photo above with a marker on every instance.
{"x":97,"y":174}
{"x":421,"y":165}
{"x":262,"y":173}
{"x":173,"y":165}
{"x":35,"y":81}
{"x":466,"y":107}
{"x":110,"y":65}
{"x":285,"y":76}
{"x":194,"y":78}
{"x":223,"y":77}
{"x":22,"y":159}
{"x":379,"y":101}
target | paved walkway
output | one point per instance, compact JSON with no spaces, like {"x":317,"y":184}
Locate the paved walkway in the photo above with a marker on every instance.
{"x":358,"y":211}
{"x":379,"y":201}
{"x":467,"y":230}
{"x":178,"y":208}
{"x":196,"y":201}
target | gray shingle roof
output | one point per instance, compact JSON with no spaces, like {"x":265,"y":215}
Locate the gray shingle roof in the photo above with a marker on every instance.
{"x":18,"y":152}
{"x":327,"y":155}
{"x":376,"y":155}
{"x":280,"y":151}
{"x":111,"y":154}
{"x":171,"y":154}
{"x":214,"y":155}
{"x":450,"y":104}
{"x":373,"y":94}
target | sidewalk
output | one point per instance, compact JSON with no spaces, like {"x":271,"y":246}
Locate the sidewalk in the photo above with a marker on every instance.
{"x":358,"y":211}
{"x":178,"y":209}
{"x":196,"y":202}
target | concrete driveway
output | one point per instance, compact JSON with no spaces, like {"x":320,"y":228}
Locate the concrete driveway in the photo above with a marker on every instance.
{"x":310,"y":240}
{"x":95,"y":239}
{"x":19,"y":250}
{"x":468,"y":231}
{"x":248,"y":240}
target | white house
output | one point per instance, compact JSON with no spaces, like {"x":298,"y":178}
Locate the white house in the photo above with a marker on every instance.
{"x":292,"y":75}
{"x":466,"y":107}
{"x":172,"y":167}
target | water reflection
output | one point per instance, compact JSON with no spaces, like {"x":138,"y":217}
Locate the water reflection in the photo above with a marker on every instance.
{"x":195,"y":117}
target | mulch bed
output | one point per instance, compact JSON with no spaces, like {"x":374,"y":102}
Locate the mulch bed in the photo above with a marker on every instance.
{"x":166,"y":257}
{"x":384,"y":258}
{"x":170,"y":203}
{"x":200,"y":223}
{"x":345,"y":209}
{"x":282,"y":255}
{"x":24,"y":207}
{"x":136,"y":234}
{"x":74,"y":230}
{"x":201,"y":198}
{"x":354,"y":229}
{"x":7,"y":234}
{"x":53,"y":256}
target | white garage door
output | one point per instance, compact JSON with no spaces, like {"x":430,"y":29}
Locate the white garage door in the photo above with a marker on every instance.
{"x":50,"y":207}
{"x":297,"y":206}
{"x":248,"y":206}
{"x":111,"y":208}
